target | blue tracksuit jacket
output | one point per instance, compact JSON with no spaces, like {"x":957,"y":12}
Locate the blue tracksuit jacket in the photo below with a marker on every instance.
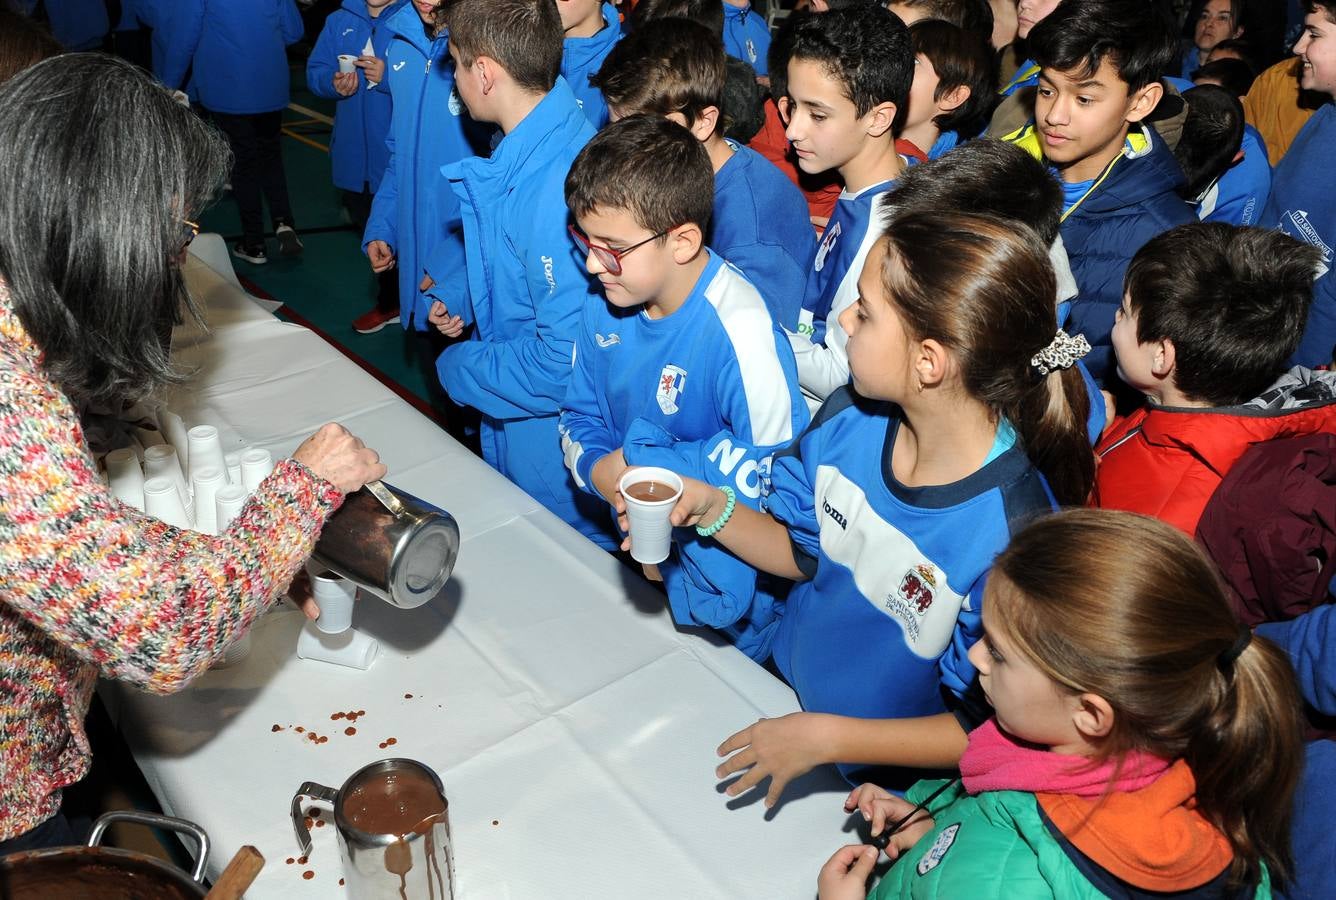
{"x":357,"y":149}
{"x":761,"y":224}
{"x":75,"y":24}
{"x":582,"y":57}
{"x":746,"y":36}
{"x":1303,"y":205}
{"x":528,"y":287}
{"x":1240,"y":196}
{"x":710,"y":391}
{"x":237,"y":50}
{"x":415,"y":212}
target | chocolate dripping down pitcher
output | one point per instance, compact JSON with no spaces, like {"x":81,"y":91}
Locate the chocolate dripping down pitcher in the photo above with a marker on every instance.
{"x":390,"y":544}
{"x":393,"y":827}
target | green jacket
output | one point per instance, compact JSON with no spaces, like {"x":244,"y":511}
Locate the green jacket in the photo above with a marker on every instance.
{"x":990,"y":846}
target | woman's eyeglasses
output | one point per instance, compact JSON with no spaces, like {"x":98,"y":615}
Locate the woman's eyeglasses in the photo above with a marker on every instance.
{"x":189,"y":231}
{"x":608,"y":258}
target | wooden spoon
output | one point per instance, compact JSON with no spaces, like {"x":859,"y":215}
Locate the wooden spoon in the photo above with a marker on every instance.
{"x":238,"y":875}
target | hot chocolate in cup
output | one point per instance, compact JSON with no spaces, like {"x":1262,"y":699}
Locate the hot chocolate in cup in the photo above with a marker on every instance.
{"x":346,"y":61}
{"x":650,"y":494}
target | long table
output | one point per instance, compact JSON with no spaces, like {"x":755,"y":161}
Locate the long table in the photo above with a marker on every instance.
{"x":573,"y":725}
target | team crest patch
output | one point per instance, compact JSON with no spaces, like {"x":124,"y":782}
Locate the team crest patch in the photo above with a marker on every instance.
{"x":917,"y":587}
{"x":455,"y":104}
{"x":828,"y":241}
{"x":672,"y":381}
{"x":751,"y":51}
{"x":933,"y":858}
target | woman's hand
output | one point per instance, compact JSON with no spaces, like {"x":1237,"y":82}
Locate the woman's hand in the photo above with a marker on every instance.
{"x":845,"y":875}
{"x":882,"y":808}
{"x":780,"y":749}
{"x":338,"y":456}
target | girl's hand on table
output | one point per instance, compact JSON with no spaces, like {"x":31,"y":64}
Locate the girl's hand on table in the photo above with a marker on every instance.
{"x":779,"y":749}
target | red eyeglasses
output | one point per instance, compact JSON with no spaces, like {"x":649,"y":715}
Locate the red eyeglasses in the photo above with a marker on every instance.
{"x":608,"y":258}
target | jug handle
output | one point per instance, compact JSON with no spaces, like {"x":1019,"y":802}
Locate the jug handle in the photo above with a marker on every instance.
{"x":385,"y":496}
{"x":316,"y":792}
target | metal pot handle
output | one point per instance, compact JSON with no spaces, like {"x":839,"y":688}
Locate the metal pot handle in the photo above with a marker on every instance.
{"x":153,"y":820}
{"x":317,"y":792}
{"x":385,"y":496}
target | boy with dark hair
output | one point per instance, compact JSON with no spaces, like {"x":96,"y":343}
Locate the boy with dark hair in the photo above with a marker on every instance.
{"x":525,"y":284}
{"x":682,"y":367}
{"x":848,"y":75}
{"x":1217,"y":20}
{"x":954,"y":86}
{"x":1228,"y":176}
{"x":592,"y":29}
{"x":709,"y":13}
{"x":1230,"y":73}
{"x":974,"y":16}
{"x":675,"y":68}
{"x":1100,"y":63}
{"x":1303,"y":187}
{"x":1210,"y":315}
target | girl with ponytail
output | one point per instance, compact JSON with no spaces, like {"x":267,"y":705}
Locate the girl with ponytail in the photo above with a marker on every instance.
{"x":1143,"y":744}
{"x":964,"y":415}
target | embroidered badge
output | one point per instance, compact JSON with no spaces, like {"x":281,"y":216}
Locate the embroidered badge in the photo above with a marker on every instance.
{"x":672,"y":381}
{"x":917,"y":587}
{"x":933,"y":858}
{"x":455,"y":105}
{"x":828,"y":241}
{"x":751,"y":51}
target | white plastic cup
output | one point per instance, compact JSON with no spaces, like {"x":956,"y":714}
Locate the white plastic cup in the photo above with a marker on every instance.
{"x":163,"y":501}
{"x":174,"y":430}
{"x":125,"y":477}
{"x":207,"y":482}
{"x":350,"y":647}
{"x":232,"y":462}
{"x":256,"y":464}
{"x":334,"y":595}
{"x":651,"y":532}
{"x":228,"y":501}
{"x":346,"y":61}
{"x":161,"y":460}
{"x":206,"y":450}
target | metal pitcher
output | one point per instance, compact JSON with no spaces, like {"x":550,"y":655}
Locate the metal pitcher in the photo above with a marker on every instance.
{"x":390,"y":543}
{"x":393,"y":824}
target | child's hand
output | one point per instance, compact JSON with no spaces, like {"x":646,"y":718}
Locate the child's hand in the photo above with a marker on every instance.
{"x":700,"y":502}
{"x":345,"y":83}
{"x":779,"y":749}
{"x":446,"y":324}
{"x":845,"y":875}
{"x":606,"y":475}
{"x":882,"y":809}
{"x":381,"y":256}
{"x":373,"y":67}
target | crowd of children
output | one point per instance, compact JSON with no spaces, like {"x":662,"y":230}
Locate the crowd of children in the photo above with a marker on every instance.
{"x":1004,"y":306}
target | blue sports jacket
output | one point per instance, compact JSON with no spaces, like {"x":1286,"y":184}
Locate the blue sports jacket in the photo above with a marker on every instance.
{"x":415,"y":211}
{"x":237,"y":50}
{"x":582,"y":57}
{"x":361,"y":121}
{"x":528,"y":287}
{"x":746,"y":36}
{"x":75,"y":24}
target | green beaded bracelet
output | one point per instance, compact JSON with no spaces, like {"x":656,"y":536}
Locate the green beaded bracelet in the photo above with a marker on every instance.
{"x":711,"y":529}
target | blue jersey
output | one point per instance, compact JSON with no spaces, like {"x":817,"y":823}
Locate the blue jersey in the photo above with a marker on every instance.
{"x":582,"y":57}
{"x":883,"y":627}
{"x":527,"y":288}
{"x":747,"y":36}
{"x":832,"y":287}
{"x":210,"y":38}
{"x":1240,"y":195}
{"x":709,"y":391}
{"x":761,"y":224}
{"x":1027,"y":75}
{"x":1303,"y":205}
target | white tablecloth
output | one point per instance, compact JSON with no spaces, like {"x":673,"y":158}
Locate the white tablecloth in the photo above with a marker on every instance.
{"x":573,"y":726}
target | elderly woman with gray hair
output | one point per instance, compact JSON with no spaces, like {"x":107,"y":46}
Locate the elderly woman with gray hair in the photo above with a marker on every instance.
{"x":101,"y":174}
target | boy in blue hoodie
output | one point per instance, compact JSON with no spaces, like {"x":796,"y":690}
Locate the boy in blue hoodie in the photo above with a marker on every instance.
{"x":357,"y":149}
{"x":674,"y":68}
{"x":683,"y":367}
{"x":525,"y":284}
{"x":746,"y":35}
{"x":75,"y":24}
{"x":1100,"y":63}
{"x":237,"y":53}
{"x":1303,"y":187}
{"x":592,"y":29}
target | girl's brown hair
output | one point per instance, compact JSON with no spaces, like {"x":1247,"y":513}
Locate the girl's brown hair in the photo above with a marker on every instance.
{"x":983,"y":287}
{"x":1127,"y":608}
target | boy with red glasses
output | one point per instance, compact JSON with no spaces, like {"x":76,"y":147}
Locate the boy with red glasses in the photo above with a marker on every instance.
{"x":682,"y":367}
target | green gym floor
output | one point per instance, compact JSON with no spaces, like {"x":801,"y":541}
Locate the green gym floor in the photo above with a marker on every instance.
{"x":330,"y":284}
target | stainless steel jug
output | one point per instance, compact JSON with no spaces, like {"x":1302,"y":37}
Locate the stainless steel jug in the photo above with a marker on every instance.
{"x":393,"y":825}
{"x":390,"y":543}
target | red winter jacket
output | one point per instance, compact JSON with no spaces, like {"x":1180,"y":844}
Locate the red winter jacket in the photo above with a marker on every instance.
{"x":1166,"y":462}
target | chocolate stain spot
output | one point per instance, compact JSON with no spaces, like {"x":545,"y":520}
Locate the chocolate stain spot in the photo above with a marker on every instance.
{"x":350,"y":731}
{"x":361,"y":712}
{"x":408,"y":696}
{"x":277,"y":728}
{"x":312,"y":736}
{"x":496,"y":821}
{"x":340,"y":882}
{"x":337,"y":716}
{"x":308,"y":874}
{"x":383,"y":745}
{"x":391,"y":741}
{"x":315,"y":813}
{"x":319,"y":823}
{"x":291,"y":860}
{"x":299,"y":729}
{"x":308,"y":822}
{"x":323,"y":740}
{"x":301,"y":860}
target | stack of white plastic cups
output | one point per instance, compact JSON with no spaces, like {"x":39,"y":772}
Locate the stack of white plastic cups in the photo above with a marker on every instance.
{"x":331,"y":638}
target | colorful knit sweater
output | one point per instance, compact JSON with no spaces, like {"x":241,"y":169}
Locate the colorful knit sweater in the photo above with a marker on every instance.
{"x":89,"y":586}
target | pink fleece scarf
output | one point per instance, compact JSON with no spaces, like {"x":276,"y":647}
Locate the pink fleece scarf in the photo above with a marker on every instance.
{"x":996,"y":761}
